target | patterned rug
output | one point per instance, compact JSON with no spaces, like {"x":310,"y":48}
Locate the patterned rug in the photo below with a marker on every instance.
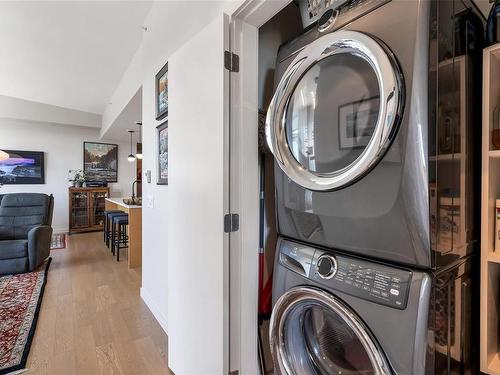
{"x":58,"y":241}
{"x":20,"y":301}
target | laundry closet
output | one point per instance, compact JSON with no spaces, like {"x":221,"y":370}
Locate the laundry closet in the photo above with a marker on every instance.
{"x":370,"y":157}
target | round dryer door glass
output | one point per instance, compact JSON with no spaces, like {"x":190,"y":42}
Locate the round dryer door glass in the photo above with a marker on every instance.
{"x":333,"y":113}
{"x":335,"y":110}
{"x":312,"y":332}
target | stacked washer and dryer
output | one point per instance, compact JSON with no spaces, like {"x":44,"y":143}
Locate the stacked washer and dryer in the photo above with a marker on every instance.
{"x":375,"y":130}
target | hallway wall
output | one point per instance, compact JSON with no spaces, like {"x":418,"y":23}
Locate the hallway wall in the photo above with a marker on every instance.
{"x":63,"y":147}
{"x":156,"y":227}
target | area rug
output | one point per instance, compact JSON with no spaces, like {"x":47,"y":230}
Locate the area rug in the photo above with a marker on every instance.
{"x":58,"y":241}
{"x":20,"y":301}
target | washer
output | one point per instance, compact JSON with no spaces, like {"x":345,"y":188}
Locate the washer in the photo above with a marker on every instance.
{"x":371,"y":126}
{"x":338,"y":314}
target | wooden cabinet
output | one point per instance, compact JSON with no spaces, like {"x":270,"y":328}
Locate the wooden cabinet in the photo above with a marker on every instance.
{"x":86,"y":209}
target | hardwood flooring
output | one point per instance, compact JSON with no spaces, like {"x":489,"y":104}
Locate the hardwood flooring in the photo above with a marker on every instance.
{"x":92,"y":319}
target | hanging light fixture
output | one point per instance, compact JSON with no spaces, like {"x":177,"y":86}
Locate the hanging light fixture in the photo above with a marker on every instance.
{"x":139,"y":154}
{"x":131,"y":157}
{"x":3,"y":155}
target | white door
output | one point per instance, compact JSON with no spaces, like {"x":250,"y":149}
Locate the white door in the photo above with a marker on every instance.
{"x":198,"y":302}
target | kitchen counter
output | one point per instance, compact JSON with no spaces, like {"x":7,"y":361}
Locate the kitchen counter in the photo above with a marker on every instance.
{"x":119,"y":202}
{"x":134,"y":229}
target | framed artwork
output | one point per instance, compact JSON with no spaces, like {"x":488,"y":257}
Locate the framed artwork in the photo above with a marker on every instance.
{"x":162,"y":93}
{"x":162,"y":178}
{"x":22,"y":167}
{"x":100,"y":161}
{"x":357,"y":122}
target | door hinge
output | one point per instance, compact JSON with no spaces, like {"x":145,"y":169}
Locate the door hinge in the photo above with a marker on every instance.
{"x":231,"y":223}
{"x":231,"y":61}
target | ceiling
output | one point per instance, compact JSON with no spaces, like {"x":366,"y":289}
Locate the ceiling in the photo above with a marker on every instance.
{"x":72,"y":54}
{"x":68,"y":53}
{"x":126,"y":120}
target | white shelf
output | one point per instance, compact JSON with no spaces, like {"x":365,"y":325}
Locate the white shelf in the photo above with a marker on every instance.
{"x":447,"y":157}
{"x":490,"y":260}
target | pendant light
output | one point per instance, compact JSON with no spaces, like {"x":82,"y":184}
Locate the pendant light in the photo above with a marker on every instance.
{"x":139,"y":154}
{"x":3,"y":155}
{"x":131,"y":157}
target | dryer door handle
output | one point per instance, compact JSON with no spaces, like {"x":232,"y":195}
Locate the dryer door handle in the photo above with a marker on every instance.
{"x":297,"y":258}
{"x":294,"y":265}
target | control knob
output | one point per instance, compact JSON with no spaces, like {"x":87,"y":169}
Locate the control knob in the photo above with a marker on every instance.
{"x":326,"y":267}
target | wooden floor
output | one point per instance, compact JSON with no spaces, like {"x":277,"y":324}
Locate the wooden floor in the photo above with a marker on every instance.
{"x":92,"y":319}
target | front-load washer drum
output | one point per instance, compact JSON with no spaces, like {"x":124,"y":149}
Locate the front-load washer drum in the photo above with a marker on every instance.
{"x":335,"y":110}
{"x":314,"y":333}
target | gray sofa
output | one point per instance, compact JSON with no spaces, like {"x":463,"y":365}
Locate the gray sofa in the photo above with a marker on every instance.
{"x":25,"y":231}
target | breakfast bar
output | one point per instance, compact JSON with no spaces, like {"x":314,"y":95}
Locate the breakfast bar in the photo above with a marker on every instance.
{"x":134,"y":229}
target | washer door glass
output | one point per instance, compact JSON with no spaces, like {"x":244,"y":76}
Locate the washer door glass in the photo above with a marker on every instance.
{"x":333,"y":113}
{"x":335,"y":110}
{"x":312,"y":332}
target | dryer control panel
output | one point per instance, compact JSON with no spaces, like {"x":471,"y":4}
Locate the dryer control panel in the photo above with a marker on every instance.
{"x":361,"y":278}
{"x":372,"y":281}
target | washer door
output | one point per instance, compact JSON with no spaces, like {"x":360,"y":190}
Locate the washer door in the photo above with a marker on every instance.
{"x":335,"y":110}
{"x":314,"y":333}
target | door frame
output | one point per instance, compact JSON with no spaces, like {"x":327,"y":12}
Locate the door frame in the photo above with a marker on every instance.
{"x":244,"y":183}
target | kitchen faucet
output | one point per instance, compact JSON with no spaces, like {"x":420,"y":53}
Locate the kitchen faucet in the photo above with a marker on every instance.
{"x":133,"y":191}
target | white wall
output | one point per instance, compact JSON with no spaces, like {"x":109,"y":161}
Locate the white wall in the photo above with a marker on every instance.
{"x":179,"y":219}
{"x":63,"y":147}
{"x":155,"y":53}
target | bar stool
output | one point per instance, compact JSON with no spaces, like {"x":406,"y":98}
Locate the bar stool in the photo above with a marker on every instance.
{"x":109,"y":225}
{"x":120,"y":224}
{"x":106,"y":224}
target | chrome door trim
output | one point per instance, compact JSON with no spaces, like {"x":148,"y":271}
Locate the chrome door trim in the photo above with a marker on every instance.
{"x":315,"y":296}
{"x":391,"y":88}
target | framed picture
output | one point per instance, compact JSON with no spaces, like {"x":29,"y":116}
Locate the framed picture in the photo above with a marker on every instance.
{"x":22,"y":167}
{"x":357,"y":122}
{"x":100,"y":161}
{"x":162,"y":178}
{"x":162,"y":93}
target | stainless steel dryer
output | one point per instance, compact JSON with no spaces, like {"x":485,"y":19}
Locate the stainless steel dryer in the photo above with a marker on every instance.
{"x":374,"y":128}
{"x":338,"y":314}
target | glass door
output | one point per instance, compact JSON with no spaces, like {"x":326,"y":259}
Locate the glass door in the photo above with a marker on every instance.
{"x":312,"y":332}
{"x":98,"y":199}
{"x":335,"y":110}
{"x":79,"y":209}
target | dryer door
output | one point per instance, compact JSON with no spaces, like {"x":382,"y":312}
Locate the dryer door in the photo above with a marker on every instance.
{"x":335,"y":110}
{"x":314,"y":333}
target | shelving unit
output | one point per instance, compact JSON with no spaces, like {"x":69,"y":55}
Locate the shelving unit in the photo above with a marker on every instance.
{"x":455,"y":159}
{"x":490,"y":259}
{"x":452,"y":164}
{"x":86,"y":209}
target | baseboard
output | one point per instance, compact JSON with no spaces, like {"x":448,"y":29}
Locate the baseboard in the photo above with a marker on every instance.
{"x":148,"y":300}
{"x":60,"y":230}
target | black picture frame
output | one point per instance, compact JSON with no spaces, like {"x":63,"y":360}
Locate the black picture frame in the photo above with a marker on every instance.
{"x":162,"y":154}
{"x":98,"y":174}
{"x":161,"y":97}
{"x":23,"y":168}
{"x":348,"y":142}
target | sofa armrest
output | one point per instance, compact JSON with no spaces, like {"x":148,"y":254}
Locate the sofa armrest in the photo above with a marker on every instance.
{"x":39,"y":239}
